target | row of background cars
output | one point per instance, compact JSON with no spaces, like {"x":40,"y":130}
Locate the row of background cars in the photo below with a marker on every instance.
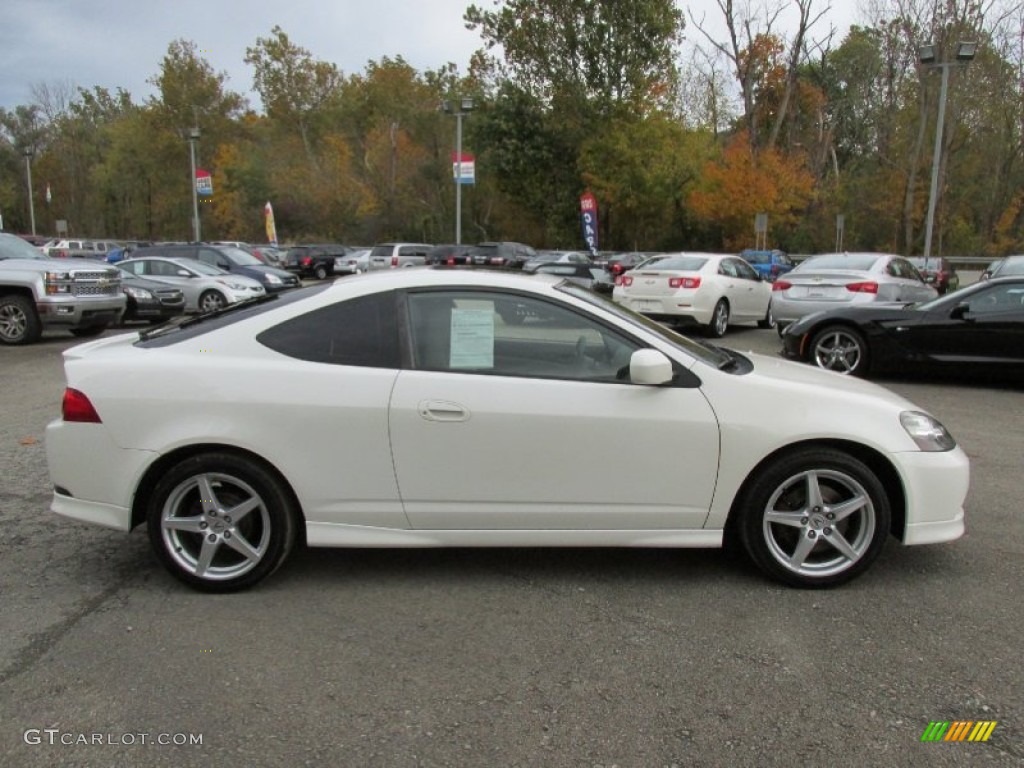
{"x":856,"y":313}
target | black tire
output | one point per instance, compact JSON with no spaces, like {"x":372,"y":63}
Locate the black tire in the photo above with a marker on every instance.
{"x":88,"y":332}
{"x":785,"y":525}
{"x":769,"y":319}
{"x":320,"y":271}
{"x":211,"y":300}
{"x":192,"y":531}
{"x":839,"y":348}
{"x":719,"y":322}
{"x":19,"y":322}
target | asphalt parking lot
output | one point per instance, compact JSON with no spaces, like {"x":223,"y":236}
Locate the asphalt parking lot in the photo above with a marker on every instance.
{"x":507,"y":657}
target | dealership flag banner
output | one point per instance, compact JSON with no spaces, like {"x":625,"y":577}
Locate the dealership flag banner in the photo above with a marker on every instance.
{"x":268,"y":215}
{"x":588,"y":220}
{"x":468,"y":167}
{"x":204,"y":183}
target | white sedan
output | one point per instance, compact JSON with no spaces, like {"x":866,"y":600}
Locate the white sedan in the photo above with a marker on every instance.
{"x":709,"y":289}
{"x":223,"y":435}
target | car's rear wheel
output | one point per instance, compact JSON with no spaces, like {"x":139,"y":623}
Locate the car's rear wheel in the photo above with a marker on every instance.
{"x":320,"y":272}
{"x":814,"y":518}
{"x":19,"y":323}
{"x":841,"y":349}
{"x":220,"y":523}
{"x":719,"y":322}
{"x":211,"y":300}
{"x":769,"y":319}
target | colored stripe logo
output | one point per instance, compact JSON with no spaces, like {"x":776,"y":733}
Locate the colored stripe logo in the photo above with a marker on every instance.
{"x":959,"y":730}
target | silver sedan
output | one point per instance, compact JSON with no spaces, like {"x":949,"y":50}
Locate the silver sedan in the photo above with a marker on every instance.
{"x":835,"y":280}
{"x":206,"y":287}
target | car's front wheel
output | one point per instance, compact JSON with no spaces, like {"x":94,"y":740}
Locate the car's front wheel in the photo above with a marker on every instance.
{"x":220,"y":523}
{"x":19,"y":323}
{"x":211,"y":300}
{"x":814,"y":518}
{"x":841,"y":349}
{"x":320,"y":272}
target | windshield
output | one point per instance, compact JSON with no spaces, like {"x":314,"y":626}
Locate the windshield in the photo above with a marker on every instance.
{"x":201,"y":267}
{"x":859,"y":261}
{"x":706,"y":353}
{"x":13,"y":247}
{"x":675,"y":264}
{"x":240,"y":258}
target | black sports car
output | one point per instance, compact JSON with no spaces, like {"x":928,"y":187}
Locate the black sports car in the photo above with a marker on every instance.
{"x":980,"y":327}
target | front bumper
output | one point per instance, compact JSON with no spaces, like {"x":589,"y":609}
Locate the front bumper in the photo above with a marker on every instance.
{"x":936,"y":485}
{"x":80,"y":311}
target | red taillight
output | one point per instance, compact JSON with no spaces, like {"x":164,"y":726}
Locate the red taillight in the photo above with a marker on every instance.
{"x":76,"y":407}
{"x":394,"y":261}
{"x":617,"y":268}
{"x":865,"y":287}
{"x":775,"y":269}
{"x":684,"y":282}
{"x":626,"y":281}
{"x":451,"y":261}
{"x":781,"y":285}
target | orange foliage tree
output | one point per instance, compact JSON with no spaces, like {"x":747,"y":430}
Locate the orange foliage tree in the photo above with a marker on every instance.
{"x":735,"y":188}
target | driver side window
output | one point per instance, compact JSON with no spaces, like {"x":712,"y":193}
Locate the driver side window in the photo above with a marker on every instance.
{"x":503,"y":334}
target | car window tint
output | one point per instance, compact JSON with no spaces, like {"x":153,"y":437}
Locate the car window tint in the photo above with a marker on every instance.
{"x":484,"y":332}
{"x":361,"y":332}
{"x":997,"y":299}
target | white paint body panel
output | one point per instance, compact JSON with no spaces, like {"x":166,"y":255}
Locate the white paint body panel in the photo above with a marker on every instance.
{"x":529,"y":465}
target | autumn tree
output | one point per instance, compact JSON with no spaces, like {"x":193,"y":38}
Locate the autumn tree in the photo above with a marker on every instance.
{"x":742,"y":183}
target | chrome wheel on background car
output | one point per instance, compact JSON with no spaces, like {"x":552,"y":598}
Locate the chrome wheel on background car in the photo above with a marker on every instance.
{"x":211,"y":300}
{"x":769,"y":319}
{"x":19,"y":323}
{"x":816,"y":518}
{"x":839,"y":349}
{"x":719,"y":319}
{"x":220,"y":523}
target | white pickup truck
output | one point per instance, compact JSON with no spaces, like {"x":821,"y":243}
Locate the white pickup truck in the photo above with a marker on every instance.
{"x":37,"y":292}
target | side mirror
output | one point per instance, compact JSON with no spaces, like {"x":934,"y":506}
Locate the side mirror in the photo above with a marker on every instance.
{"x":650,"y":368}
{"x":183,"y":273}
{"x":960,"y":311}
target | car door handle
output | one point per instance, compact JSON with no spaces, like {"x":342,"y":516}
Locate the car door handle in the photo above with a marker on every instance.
{"x":443,"y":410}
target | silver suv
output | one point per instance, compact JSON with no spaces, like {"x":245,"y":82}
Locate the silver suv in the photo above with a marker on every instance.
{"x":396,"y":255}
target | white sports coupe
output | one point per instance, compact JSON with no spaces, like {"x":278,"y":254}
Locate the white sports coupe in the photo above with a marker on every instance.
{"x":223,"y":434}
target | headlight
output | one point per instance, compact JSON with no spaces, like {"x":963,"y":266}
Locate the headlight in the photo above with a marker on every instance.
{"x":234,"y":286}
{"x":137,"y":293}
{"x":929,"y":434}
{"x":273,"y":279}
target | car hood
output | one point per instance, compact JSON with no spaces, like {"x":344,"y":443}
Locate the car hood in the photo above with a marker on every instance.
{"x":266,"y":269}
{"x":879,"y":312}
{"x":59,"y":265}
{"x":802,"y":380}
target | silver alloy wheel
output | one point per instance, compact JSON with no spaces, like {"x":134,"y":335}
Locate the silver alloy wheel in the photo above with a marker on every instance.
{"x":838,"y":351}
{"x":721,"y":318}
{"x":210,"y":301}
{"x":819,"y":523}
{"x":13,"y":322}
{"x":215,"y":526}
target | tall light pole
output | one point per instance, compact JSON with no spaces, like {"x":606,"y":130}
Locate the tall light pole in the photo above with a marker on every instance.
{"x":28,"y":173}
{"x":929,"y":60}
{"x":459,"y":108}
{"x":193,"y":137}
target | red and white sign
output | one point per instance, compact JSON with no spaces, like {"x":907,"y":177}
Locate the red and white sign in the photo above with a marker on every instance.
{"x":467,"y":168}
{"x":204,"y":183}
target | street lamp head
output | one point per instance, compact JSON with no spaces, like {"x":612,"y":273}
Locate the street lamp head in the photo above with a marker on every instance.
{"x":927,"y":54}
{"x":28,"y":152}
{"x":467,"y":105}
{"x":446,"y":107}
{"x":193,"y":134}
{"x":966,"y":51}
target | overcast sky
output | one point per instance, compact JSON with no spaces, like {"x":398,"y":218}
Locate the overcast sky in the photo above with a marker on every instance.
{"x":119,"y":43}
